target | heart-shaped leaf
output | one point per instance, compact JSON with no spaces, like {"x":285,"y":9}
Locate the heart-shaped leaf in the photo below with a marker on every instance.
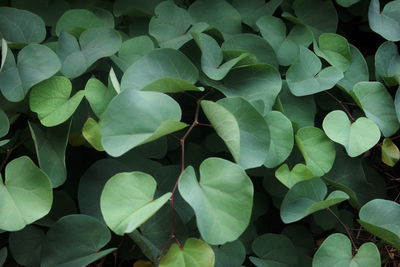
{"x":35,"y":63}
{"x":164,"y":70}
{"x":289,"y":178}
{"x":94,"y":43}
{"x":135,"y":192}
{"x":75,"y":21}
{"x":26,"y":194}
{"x":51,"y":100}
{"x":21,"y":26}
{"x":151,"y":115}
{"x":387,"y":64}
{"x":307,"y":197}
{"x":50,"y":145}
{"x":212,"y":57}
{"x":273,"y":250}
{"x":4,"y":123}
{"x":254,"y":132}
{"x":222,"y":198}
{"x":132,"y":50}
{"x":390,"y":153}
{"x":382,"y":218}
{"x":195,"y":253}
{"x":357,"y":137}
{"x":378,"y":105}
{"x":318,"y":151}
{"x":385,"y":22}
{"x":281,"y":138}
{"x":336,"y":251}
{"x":305,"y":77}
{"x":335,"y":49}
{"x":225,"y":124}
{"x":79,"y":238}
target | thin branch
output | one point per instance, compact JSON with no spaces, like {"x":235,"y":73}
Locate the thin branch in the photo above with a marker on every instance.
{"x":345,"y":228}
{"x":342,"y":104}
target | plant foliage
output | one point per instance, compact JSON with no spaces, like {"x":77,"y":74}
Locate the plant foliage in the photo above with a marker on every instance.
{"x":199,"y":133}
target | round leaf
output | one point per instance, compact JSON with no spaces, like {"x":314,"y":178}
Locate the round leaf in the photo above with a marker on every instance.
{"x":223,"y":199}
{"x":335,"y":49}
{"x":386,"y":22}
{"x":381,"y":218}
{"x":51,"y":100}
{"x":150,"y":116}
{"x":307,"y":197}
{"x":75,"y":241}
{"x":35,"y":63}
{"x":357,"y":137}
{"x":387,"y":64}
{"x":127,"y":201}
{"x":336,"y":251}
{"x":26,"y":194}
{"x":195,"y":253}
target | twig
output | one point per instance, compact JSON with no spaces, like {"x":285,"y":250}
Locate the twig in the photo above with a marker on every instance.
{"x":345,"y":228}
{"x":342,"y":104}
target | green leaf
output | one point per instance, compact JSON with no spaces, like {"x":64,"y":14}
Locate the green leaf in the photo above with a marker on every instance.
{"x":26,"y":245}
{"x":222,"y":198}
{"x":50,"y":146}
{"x":170,"y":25}
{"x":75,"y":240}
{"x":286,"y":46}
{"x":76,"y":21}
{"x":250,"y":81}
{"x":386,"y":22}
{"x":347,"y":3}
{"x":134,"y":192}
{"x":281,"y":138}
{"x":390,"y":153}
{"x":51,"y":100}
{"x":94,"y":44}
{"x":357,"y":71}
{"x":195,"y":253}
{"x":151,"y":116}
{"x":305,"y":77}
{"x":212,"y":57}
{"x":217,"y":13}
{"x":35,"y":63}
{"x":336,"y":250}
{"x":21,"y":26}
{"x":387,"y":64}
{"x":229,"y":254}
{"x":274,"y":250}
{"x":381,"y":218}
{"x":26,"y":194}
{"x":132,"y":50}
{"x":254,"y":132}
{"x":91,"y":132}
{"x":318,"y":151}
{"x":4,"y":51}
{"x":289,"y":178}
{"x":141,"y":8}
{"x":378,"y":106}
{"x":225,"y":124}
{"x":164,"y":70}
{"x":4,"y":123}
{"x":335,"y":49}
{"x":357,"y":137}
{"x":253,"y":44}
{"x":307,"y":197}
{"x":98,"y":95}
{"x":323,"y":17}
